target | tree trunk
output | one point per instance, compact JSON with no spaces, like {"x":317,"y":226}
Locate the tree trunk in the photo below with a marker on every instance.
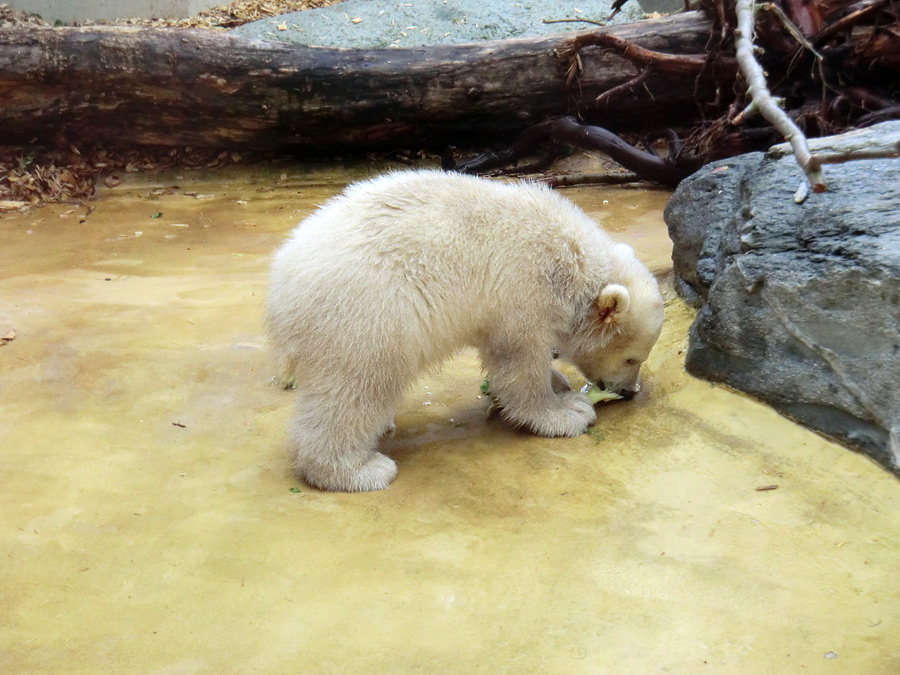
{"x":88,"y":86}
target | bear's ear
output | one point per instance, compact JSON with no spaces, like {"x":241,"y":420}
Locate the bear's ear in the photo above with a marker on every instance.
{"x":613,"y":301}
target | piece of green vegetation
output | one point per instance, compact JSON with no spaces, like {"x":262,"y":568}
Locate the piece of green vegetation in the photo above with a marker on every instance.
{"x":596,"y":434}
{"x":598,"y":395}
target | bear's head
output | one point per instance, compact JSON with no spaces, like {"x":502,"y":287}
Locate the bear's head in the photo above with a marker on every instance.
{"x":616,"y":332}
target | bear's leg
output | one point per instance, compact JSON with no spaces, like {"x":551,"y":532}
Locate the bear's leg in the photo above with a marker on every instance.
{"x":559,"y":382}
{"x":525,"y":385}
{"x":333,"y":442}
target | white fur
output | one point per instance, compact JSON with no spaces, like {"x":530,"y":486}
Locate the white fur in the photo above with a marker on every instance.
{"x":398,"y":273}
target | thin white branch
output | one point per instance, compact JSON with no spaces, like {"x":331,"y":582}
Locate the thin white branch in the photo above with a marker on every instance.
{"x":847,"y":147}
{"x":762,"y":98}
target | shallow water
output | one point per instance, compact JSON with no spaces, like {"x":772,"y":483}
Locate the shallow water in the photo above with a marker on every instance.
{"x":150,"y":522}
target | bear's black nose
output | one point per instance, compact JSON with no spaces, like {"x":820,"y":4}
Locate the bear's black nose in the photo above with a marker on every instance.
{"x":627,"y":394}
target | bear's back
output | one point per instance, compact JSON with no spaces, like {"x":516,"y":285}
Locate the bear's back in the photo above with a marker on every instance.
{"x":451,"y":219}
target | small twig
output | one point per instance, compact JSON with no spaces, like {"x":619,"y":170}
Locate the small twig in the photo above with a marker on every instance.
{"x":573,"y":179}
{"x":766,"y":488}
{"x":789,"y":26}
{"x":848,"y":21}
{"x":762,"y":97}
{"x":798,"y":35}
{"x":625,"y":87}
{"x":591,"y":21}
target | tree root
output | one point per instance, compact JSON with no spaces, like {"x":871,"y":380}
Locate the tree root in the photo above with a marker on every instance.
{"x":680,"y":65}
{"x":811,"y":50}
{"x":569,"y":133}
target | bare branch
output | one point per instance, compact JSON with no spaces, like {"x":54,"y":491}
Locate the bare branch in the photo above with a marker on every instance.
{"x":846,"y":148}
{"x":762,"y":98}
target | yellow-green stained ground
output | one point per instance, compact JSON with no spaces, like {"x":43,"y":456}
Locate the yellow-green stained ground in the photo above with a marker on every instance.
{"x":148,"y":522}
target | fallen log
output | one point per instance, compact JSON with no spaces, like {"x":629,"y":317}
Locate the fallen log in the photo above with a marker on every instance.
{"x":136,"y":87}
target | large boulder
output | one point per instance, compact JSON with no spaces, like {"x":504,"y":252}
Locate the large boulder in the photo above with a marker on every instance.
{"x":799,"y":303}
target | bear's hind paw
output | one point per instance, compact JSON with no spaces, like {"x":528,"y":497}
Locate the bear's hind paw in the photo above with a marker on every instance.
{"x":377,"y":473}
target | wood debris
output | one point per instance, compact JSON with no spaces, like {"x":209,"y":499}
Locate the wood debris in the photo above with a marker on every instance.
{"x":32,"y":177}
{"x":222,"y":17}
{"x":29,"y":177}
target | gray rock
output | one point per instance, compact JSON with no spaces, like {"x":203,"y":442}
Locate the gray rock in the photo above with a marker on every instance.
{"x":368,"y":24}
{"x":799,"y":303}
{"x":661,"y":6}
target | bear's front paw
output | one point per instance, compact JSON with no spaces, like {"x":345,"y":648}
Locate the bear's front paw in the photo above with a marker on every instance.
{"x":570,"y":415}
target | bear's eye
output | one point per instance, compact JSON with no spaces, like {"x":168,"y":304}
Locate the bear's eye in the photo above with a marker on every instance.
{"x":632,"y":362}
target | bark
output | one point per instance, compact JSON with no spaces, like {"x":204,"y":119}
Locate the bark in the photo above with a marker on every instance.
{"x":87,"y":86}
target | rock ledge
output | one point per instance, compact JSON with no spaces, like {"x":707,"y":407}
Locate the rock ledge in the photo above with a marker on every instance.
{"x":799,"y":303}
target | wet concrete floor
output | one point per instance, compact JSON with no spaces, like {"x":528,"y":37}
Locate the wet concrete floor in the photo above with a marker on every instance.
{"x":150,"y":522}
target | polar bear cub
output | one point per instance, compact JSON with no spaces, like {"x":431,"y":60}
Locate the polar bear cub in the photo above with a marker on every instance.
{"x":398,"y":273}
